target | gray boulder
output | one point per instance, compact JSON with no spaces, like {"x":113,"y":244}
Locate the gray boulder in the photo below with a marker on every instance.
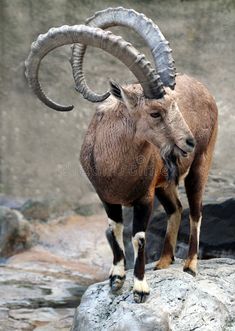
{"x":33,"y":209}
{"x":178,"y":302}
{"x":45,"y":209}
{"x":15,"y":232}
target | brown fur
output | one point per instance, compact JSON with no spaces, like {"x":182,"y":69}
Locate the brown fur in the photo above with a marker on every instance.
{"x":123,"y":167}
{"x":124,"y":151}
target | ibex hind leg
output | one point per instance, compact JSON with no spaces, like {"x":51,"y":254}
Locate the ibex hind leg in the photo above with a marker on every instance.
{"x":168,"y":197}
{"x":195,"y":184}
{"x":114,"y":234}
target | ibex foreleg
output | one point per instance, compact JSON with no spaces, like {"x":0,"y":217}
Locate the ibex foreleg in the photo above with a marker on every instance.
{"x":114,"y":235}
{"x":142,"y":213}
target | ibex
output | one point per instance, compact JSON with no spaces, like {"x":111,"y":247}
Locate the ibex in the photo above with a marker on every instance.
{"x":142,"y":140}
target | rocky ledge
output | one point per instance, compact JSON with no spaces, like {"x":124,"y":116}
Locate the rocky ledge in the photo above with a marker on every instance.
{"x":177,"y":301}
{"x":45,"y":267}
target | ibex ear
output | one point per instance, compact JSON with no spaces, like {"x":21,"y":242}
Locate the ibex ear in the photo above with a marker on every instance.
{"x":121,"y":94}
{"x":173,"y":106}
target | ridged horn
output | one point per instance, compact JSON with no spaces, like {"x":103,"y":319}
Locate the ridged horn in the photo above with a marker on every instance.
{"x":150,"y":32}
{"x":115,"y":45}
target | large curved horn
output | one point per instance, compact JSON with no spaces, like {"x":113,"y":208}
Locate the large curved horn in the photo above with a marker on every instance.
{"x":115,"y":45}
{"x":161,"y":52}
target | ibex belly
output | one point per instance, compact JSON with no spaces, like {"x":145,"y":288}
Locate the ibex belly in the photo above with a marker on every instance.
{"x":120,"y":185}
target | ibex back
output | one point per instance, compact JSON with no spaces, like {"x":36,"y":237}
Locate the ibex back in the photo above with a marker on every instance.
{"x":143,"y":139}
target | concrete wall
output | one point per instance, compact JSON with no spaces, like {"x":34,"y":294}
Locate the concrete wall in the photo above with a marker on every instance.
{"x":39,"y":152}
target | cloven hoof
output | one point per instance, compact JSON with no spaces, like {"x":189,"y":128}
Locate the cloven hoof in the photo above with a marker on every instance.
{"x":140,"y":297}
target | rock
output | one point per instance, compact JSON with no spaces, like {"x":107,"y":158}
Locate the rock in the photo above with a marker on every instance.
{"x":177,"y":301}
{"x":72,"y":252}
{"x":49,"y":208}
{"x":36,"y":210}
{"x":39,"y":290}
{"x":12,"y":202}
{"x":41,"y":286}
{"x":45,"y":209}
{"x":89,"y":205}
{"x":15,"y":232}
{"x":35,"y":299}
{"x":44,"y":319}
{"x":216,"y":237}
{"x":76,"y":239}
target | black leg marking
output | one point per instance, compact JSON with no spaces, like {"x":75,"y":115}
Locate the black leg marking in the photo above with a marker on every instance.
{"x":142,"y":213}
{"x":118,"y":253}
{"x":140,"y":260}
{"x":114,"y":212}
{"x":114,"y":235}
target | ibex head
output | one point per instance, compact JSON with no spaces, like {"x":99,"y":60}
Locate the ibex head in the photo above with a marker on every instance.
{"x":159,"y":122}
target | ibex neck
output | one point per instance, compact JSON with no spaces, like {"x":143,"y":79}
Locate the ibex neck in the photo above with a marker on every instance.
{"x":119,"y":166}
{"x":116,"y":147}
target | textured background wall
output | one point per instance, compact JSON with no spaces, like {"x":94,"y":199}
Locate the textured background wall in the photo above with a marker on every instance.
{"x":39,"y":151}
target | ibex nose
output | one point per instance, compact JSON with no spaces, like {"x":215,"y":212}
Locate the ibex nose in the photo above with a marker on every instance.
{"x":191,"y":142}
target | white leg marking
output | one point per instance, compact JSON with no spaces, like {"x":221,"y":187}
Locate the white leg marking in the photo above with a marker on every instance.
{"x":196,"y":226}
{"x":118,"y":232}
{"x":135,"y":242}
{"x":141,"y":285}
{"x":119,"y":268}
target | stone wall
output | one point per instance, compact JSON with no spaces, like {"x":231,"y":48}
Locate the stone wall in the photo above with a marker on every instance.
{"x":39,"y":150}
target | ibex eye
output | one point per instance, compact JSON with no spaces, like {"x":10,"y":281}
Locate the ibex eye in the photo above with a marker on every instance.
{"x":155,"y":115}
